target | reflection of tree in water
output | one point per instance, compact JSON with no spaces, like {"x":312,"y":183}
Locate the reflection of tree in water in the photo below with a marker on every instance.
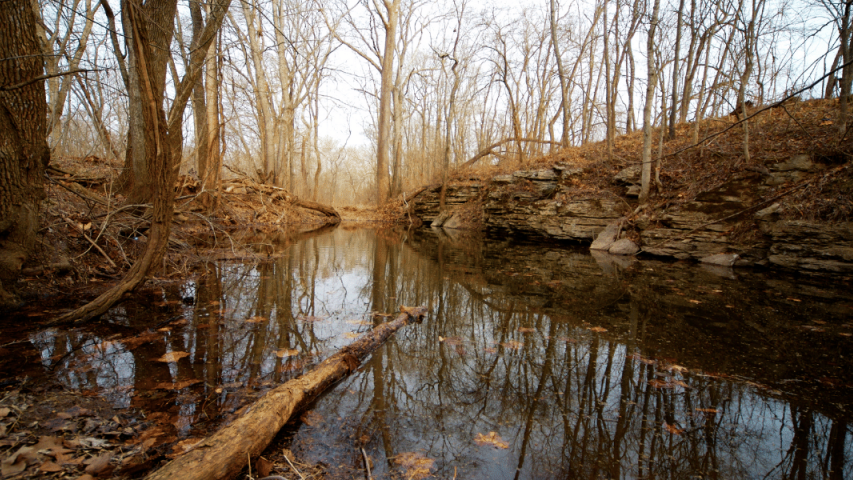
{"x":570,"y":402}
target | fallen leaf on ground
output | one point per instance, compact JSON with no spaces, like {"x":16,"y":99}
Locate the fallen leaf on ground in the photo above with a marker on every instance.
{"x":4,"y":411}
{"x":98,"y":464}
{"x":492,"y":439}
{"x":263,"y":467}
{"x":49,"y":467}
{"x":172,"y":357}
{"x":286,"y":352}
{"x":416,"y":465}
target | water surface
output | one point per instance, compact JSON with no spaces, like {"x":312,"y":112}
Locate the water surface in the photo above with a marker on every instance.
{"x":536,"y":361}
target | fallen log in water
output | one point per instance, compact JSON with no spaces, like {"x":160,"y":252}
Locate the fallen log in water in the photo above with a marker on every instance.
{"x":223,"y":454}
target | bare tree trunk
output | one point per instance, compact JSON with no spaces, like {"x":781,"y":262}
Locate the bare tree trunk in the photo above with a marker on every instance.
{"x":23,"y":141}
{"x":646,"y":172}
{"x":565,"y":101}
{"x":675,"y":68}
{"x":386,"y":90}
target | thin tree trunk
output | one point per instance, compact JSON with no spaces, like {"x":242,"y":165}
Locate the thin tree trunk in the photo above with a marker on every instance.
{"x":646,"y":171}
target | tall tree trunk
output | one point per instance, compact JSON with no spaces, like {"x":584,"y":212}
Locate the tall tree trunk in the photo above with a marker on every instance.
{"x":646,"y":172}
{"x":23,"y":141}
{"x":675,"y":67}
{"x":386,"y":90}
{"x":565,"y":101}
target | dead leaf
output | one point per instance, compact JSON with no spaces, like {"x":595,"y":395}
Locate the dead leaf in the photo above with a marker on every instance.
{"x":526,"y":330}
{"x":17,"y":462}
{"x":286,"y":352}
{"x":352,"y":335}
{"x":659,"y":383}
{"x":256,"y":319}
{"x":450,"y":340}
{"x":358,"y":322}
{"x":697,"y":302}
{"x":4,"y":412}
{"x":512,"y":345}
{"x":176,"y":386}
{"x":98,"y":464}
{"x":416,"y":465}
{"x":309,"y":318}
{"x":597,"y":329}
{"x":172,"y":357}
{"x":492,"y":439}
{"x":490,"y":350}
{"x":707,"y":410}
{"x":49,"y":467}
{"x":263,"y":466}
{"x":311,"y":418}
{"x":672,"y":429}
{"x":819,"y":322}
{"x":567,"y":339}
{"x":676,"y":368}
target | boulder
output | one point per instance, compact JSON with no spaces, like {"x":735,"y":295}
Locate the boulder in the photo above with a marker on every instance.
{"x":606,"y":238}
{"x":721,"y":259}
{"x":628,"y":176}
{"x":624,"y":247}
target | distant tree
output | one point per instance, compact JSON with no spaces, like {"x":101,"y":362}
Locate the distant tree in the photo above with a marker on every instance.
{"x":23,"y":140}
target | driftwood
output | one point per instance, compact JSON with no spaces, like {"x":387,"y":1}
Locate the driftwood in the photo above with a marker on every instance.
{"x":224,"y":454}
{"x":319,"y":207}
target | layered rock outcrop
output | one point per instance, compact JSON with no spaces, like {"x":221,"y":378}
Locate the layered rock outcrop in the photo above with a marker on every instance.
{"x":727,"y":226}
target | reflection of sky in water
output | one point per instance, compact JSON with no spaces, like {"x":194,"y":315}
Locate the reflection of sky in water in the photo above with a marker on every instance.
{"x":569,"y":401}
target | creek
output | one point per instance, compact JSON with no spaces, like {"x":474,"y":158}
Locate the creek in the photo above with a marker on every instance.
{"x":535,"y":361}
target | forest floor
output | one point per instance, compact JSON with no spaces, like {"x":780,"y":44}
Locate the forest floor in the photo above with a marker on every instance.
{"x":89,"y":239}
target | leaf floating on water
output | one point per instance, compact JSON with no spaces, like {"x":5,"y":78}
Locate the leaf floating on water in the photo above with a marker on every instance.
{"x":176,"y":386}
{"x":450,"y":340}
{"x":256,"y":319}
{"x":526,"y":330}
{"x":681,"y":384}
{"x":844,"y":334}
{"x":309,"y":318}
{"x":794,"y":299}
{"x":697,"y":302}
{"x":286,"y":352}
{"x":676,"y":368}
{"x":492,"y":439}
{"x":490,"y":350}
{"x":352,"y":335}
{"x":672,"y":429}
{"x":416,"y":465}
{"x":597,"y":329}
{"x":567,"y":339}
{"x":512,"y":345}
{"x":819,"y":322}
{"x":660,"y":383}
{"x":172,"y":357}
{"x":358,"y":322}
{"x":707,"y":410}
{"x":311,"y":418}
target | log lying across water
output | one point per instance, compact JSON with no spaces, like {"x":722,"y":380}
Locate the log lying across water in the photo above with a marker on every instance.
{"x":223,"y":454}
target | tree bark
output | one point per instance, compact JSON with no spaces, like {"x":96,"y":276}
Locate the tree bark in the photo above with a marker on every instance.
{"x":392,"y":8}
{"x":23,"y":141}
{"x":223,"y":454}
{"x":646,"y":170}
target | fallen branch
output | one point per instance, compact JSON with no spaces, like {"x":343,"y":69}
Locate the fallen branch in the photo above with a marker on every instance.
{"x":223,"y":454}
{"x":79,"y":230}
{"x":488,"y":150}
{"x":319,"y":207}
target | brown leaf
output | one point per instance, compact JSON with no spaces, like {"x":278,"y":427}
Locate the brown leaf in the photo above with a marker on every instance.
{"x":176,"y":386}
{"x":450,"y":340}
{"x":4,"y":412}
{"x":697,"y":302}
{"x":49,"y":467}
{"x":707,"y":410}
{"x":492,"y":439}
{"x":597,"y":329}
{"x":352,"y":335}
{"x":660,"y":383}
{"x":17,"y":462}
{"x":98,"y":464}
{"x":512,"y":345}
{"x":256,"y":319}
{"x":311,"y":418}
{"x":286,"y":352}
{"x":490,"y":350}
{"x":172,"y":357}
{"x":309,"y":318}
{"x":526,"y":330}
{"x":416,"y":465}
{"x":672,"y":429}
{"x":263,"y":466}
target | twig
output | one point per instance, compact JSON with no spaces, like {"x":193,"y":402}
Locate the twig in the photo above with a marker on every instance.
{"x":366,"y":464}
{"x":294,"y":468}
{"x":81,"y":232}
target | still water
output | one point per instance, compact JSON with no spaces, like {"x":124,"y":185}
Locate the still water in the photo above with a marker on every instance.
{"x":535,"y":361}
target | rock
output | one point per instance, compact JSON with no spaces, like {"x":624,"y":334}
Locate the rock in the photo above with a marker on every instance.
{"x":611,"y":264}
{"x":721,"y":259}
{"x":628,"y":176}
{"x":440,"y":219}
{"x":803,"y":245}
{"x":767,"y":213}
{"x":624,"y":247}
{"x":543,"y":175}
{"x":799,"y":163}
{"x":606,"y":238}
{"x":565,"y":171}
{"x":503,"y":179}
{"x":453,"y":222}
{"x":633,"y":191}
